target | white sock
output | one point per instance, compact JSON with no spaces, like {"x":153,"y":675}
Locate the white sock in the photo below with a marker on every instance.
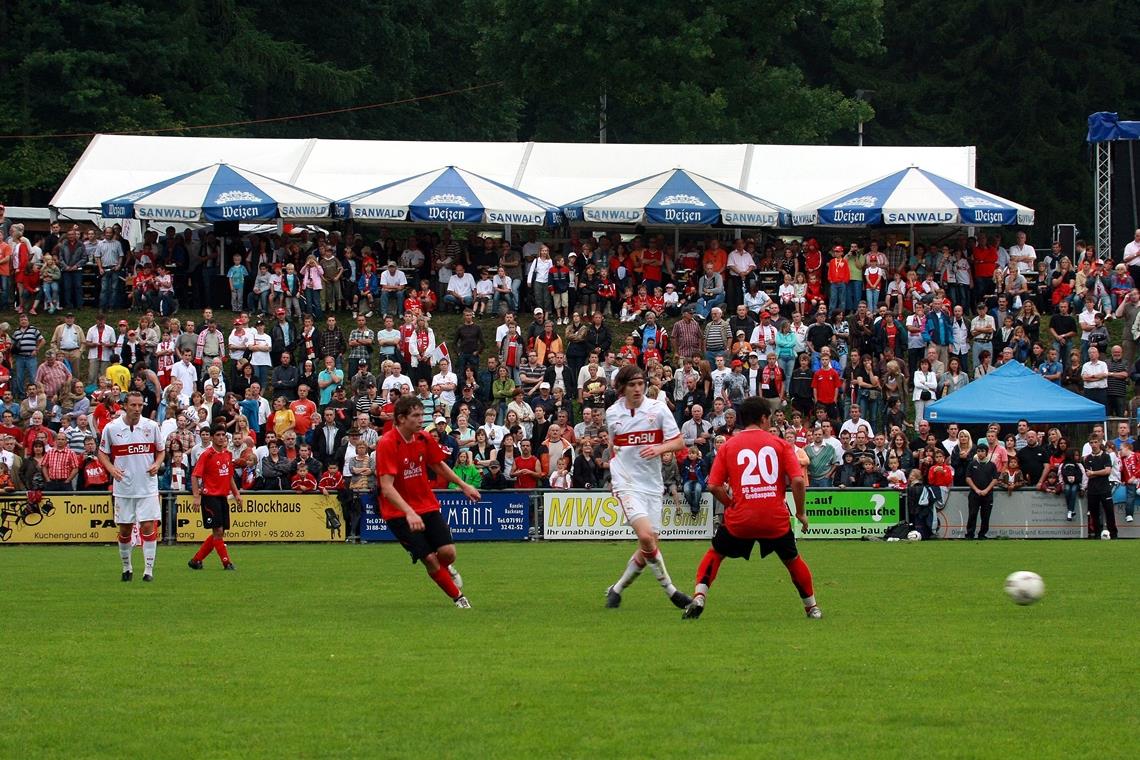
{"x":702,"y":589}
{"x":125,"y":555}
{"x":149,"y":550}
{"x":809,"y":601}
{"x":657,"y":564}
{"x":632,"y":570}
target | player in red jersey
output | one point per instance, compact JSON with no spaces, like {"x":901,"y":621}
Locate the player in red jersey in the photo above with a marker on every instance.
{"x":407,"y":502}
{"x":758,"y":467}
{"x":212,"y":482}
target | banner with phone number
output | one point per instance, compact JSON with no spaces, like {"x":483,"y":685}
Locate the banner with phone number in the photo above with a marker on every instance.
{"x":498,"y":516}
{"x":268,"y":517}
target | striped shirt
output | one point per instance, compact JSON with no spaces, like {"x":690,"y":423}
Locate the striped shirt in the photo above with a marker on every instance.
{"x":26,"y":341}
{"x":76,"y":437}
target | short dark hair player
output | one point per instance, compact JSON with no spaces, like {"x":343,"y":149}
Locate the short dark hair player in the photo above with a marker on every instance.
{"x":212,"y":482}
{"x":759,"y":467}
{"x":407,"y":502}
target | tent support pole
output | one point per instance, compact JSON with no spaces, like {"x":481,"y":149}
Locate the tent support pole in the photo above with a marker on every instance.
{"x":676,"y":241}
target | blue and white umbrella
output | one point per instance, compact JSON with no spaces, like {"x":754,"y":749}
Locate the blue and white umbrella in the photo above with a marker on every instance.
{"x":675,"y":198}
{"x":218,"y":193}
{"x":449,"y":195}
{"x":909,"y":197}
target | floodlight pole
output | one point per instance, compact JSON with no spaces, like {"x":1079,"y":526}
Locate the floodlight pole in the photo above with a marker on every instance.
{"x":863,"y":95}
{"x":602,"y":118}
{"x":1103,"y":197}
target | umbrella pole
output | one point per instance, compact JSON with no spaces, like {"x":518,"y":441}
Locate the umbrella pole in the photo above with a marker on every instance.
{"x":676,"y":242}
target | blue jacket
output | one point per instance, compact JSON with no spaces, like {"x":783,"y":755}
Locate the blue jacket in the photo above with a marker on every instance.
{"x":939,"y":329}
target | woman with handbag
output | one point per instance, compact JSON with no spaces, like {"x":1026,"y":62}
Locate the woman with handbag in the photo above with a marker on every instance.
{"x":925,"y":388}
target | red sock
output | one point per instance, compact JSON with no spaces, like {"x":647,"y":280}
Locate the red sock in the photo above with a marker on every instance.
{"x":205,"y":549}
{"x":709,"y":567}
{"x":801,"y":576}
{"x":442,"y":579}
{"x":223,"y":552}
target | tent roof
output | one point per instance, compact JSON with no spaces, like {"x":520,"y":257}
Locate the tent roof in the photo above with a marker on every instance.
{"x":913,"y":196}
{"x":1010,"y":393}
{"x":789,"y":175}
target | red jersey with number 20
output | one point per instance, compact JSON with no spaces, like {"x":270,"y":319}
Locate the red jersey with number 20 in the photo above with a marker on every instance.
{"x":407,"y":462}
{"x":757,"y":466}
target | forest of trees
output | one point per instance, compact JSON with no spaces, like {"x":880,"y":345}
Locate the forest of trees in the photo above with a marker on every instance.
{"x":1017,"y":80}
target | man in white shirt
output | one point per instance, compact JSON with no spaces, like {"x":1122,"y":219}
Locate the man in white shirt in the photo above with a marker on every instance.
{"x":185,"y":372}
{"x":460,"y":289}
{"x":396,"y":379}
{"x":444,"y":382}
{"x":1132,"y":257}
{"x":393,"y":282}
{"x":100,"y":343}
{"x":1022,"y":256}
{"x":856,"y":423}
{"x":1095,"y":376}
{"x":502,"y":330}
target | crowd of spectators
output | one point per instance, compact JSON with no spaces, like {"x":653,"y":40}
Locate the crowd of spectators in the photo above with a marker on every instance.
{"x":847,"y":343}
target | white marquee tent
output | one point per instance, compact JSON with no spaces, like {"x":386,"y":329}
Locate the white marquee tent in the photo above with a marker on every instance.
{"x":790,"y":175}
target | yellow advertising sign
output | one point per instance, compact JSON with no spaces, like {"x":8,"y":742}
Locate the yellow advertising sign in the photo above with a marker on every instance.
{"x":268,"y":517}
{"x":57,"y":519}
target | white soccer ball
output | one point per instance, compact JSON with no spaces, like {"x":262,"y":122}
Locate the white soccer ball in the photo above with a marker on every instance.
{"x":1024,"y":587}
{"x":1105,"y":535}
{"x":914,"y":535}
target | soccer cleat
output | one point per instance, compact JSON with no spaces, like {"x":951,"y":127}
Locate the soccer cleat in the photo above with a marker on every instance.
{"x":456,"y":578}
{"x":680,"y":599}
{"x":147,"y":577}
{"x":613,"y":598}
{"x":127,"y":575}
{"x":694,"y":609}
{"x":229,"y":566}
{"x":194,"y":564}
{"x":814,"y":612}
{"x":462,"y":603}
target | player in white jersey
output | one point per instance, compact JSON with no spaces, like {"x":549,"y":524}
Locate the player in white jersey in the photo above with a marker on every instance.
{"x":641,"y":430}
{"x":131,"y":450}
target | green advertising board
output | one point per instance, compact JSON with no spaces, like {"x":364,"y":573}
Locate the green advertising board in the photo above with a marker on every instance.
{"x":847,"y":513}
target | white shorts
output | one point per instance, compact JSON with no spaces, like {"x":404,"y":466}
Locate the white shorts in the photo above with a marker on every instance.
{"x":132,"y":509}
{"x":636,"y":505}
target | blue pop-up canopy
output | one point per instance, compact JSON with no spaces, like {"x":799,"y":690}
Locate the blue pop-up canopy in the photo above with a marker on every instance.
{"x":450,"y":195}
{"x":912,"y":196}
{"x":675,"y":198}
{"x":218,"y":193}
{"x":1010,"y":393}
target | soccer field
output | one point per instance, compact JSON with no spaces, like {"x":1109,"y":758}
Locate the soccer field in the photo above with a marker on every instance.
{"x":340,"y":651}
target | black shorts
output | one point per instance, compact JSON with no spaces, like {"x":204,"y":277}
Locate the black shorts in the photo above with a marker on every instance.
{"x":215,"y":512}
{"x":421,"y":543}
{"x":730,"y":546}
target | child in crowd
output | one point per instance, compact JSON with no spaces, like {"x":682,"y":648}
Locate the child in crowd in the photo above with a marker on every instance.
{"x":671,"y":477}
{"x":236,"y":275}
{"x":484,"y":289}
{"x":262,"y":285}
{"x":560,"y":479}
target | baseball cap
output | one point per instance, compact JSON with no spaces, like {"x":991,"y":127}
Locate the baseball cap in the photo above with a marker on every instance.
{"x":441,"y":420}
{"x":538,"y":311}
{"x":983,"y":444}
{"x":544,"y":385}
{"x":838,"y":249}
{"x":123,"y":322}
{"x":737,"y":363}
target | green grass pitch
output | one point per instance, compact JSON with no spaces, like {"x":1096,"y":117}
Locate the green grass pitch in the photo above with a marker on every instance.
{"x":348,"y":651}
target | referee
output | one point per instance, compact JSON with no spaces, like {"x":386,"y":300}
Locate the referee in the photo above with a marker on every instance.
{"x":211,"y":483}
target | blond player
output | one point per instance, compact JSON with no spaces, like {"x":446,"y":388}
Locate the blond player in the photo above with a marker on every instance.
{"x":641,"y":430}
